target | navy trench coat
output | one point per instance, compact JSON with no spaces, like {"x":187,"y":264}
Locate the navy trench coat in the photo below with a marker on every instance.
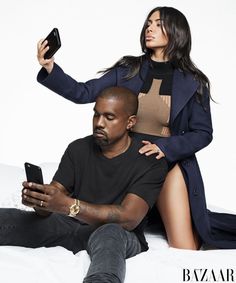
{"x":191,"y":130}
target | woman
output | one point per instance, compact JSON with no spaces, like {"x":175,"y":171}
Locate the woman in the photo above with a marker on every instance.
{"x":174,"y":122}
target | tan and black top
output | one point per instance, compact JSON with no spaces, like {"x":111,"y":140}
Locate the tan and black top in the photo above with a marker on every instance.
{"x":155,"y":101}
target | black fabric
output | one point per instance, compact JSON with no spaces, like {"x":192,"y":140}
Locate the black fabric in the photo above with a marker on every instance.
{"x":90,"y":176}
{"x":108,"y":248}
{"x":154,"y":219}
{"x":163,"y":71}
{"x":28,"y":229}
{"x":152,"y":139}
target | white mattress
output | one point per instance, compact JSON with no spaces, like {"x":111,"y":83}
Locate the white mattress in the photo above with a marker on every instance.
{"x":159,"y":264}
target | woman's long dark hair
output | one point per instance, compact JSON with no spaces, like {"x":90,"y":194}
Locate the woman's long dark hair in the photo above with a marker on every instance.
{"x":177,"y":50}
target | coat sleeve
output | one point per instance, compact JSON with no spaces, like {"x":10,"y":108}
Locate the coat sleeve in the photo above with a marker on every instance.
{"x":77,"y":92}
{"x":192,"y":134}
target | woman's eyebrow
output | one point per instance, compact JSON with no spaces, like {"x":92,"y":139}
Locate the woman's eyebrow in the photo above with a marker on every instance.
{"x":156,"y":20}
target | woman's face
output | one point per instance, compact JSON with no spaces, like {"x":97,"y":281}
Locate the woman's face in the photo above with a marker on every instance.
{"x":155,"y":38}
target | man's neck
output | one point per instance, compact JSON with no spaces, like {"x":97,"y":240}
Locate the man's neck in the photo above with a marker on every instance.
{"x":111,"y":151}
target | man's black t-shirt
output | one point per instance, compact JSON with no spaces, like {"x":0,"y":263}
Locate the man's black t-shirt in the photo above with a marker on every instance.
{"x":90,"y":176}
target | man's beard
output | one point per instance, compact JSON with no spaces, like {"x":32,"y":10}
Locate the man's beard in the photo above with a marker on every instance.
{"x":101,"y":141}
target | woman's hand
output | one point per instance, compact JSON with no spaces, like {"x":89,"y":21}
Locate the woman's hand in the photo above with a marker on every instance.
{"x":42,"y":49}
{"x":151,"y":148}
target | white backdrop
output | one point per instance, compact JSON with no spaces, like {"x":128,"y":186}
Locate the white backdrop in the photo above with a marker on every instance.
{"x":37,"y":125}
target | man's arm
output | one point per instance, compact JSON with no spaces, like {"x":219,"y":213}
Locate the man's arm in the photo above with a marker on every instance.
{"x":128,"y":214}
{"x":55,"y":199}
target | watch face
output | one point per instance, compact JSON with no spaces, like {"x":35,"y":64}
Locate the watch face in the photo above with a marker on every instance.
{"x":74,"y":210}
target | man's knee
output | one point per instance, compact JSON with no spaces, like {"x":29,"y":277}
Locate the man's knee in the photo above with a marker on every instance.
{"x":106,"y":235}
{"x":107,"y":231}
{"x":109,"y":228}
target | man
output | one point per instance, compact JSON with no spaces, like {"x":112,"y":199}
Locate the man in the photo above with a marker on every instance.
{"x":104,"y":184}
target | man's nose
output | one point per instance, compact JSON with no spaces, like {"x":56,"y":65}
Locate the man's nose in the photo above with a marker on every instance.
{"x":100,"y":122}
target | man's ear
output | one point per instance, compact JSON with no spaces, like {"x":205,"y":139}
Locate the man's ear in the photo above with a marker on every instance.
{"x":131,"y":122}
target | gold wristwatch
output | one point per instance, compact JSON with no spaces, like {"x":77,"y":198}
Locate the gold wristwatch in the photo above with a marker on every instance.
{"x":74,"y":208}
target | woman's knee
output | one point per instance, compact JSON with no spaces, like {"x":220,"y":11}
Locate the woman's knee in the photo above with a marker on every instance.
{"x":188,"y":245}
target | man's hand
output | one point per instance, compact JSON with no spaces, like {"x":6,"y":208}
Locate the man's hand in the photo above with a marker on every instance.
{"x":151,"y":148}
{"x":42,"y":49}
{"x":51,"y":198}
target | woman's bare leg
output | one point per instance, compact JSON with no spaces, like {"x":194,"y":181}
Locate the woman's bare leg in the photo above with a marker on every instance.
{"x":173,"y":206}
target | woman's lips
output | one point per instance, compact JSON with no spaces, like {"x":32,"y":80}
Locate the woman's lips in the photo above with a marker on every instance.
{"x":148,"y":38}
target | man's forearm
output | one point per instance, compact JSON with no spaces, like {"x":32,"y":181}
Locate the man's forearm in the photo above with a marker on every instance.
{"x":55,"y":198}
{"x":101,"y":214}
{"x":128,"y":214}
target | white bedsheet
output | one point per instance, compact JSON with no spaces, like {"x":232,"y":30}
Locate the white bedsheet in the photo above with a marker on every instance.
{"x":159,"y":264}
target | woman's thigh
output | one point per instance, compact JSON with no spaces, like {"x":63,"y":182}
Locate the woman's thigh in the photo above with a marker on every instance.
{"x":173,"y":206}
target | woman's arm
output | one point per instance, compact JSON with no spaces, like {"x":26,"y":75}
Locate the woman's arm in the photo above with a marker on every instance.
{"x":77,"y":92}
{"x":191,"y":135}
{"x":53,"y":77}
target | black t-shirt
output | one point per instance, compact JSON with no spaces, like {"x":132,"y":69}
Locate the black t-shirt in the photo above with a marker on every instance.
{"x":90,"y":176}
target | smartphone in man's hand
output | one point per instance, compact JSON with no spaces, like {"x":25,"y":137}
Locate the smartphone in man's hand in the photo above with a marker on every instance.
{"x":54,"y":43}
{"x":33,"y":174}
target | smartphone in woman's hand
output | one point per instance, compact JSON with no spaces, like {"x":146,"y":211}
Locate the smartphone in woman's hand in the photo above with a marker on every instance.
{"x":54,"y":43}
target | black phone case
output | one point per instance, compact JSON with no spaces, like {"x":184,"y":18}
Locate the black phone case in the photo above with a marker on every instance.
{"x":54,"y":43}
{"x":33,"y":173}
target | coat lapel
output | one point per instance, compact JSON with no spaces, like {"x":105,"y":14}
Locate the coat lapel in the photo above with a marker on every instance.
{"x":183,"y":89}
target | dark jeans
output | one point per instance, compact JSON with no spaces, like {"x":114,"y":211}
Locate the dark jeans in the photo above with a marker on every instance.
{"x":108,"y":246}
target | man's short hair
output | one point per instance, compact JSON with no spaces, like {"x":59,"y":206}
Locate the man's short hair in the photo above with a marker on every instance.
{"x":121,"y":93}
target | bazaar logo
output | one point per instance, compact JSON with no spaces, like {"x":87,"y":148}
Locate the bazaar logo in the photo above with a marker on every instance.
{"x":208,"y":275}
